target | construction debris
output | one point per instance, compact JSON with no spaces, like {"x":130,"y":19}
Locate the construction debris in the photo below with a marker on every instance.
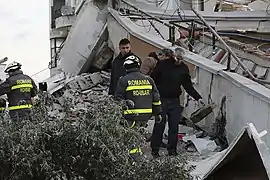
{"x":203,"y":145}
{"x":79,"y":92}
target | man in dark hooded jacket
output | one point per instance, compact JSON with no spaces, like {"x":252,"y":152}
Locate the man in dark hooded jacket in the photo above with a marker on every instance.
{"x":117,"y":64}
{"x":169,"y":75}
{"x":20,"y":90}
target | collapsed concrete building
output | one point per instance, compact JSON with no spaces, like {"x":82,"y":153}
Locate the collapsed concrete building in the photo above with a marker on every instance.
{"x":231,"y":63}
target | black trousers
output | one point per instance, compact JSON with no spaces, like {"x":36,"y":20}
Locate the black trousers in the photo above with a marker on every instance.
{"x":172,"y":109}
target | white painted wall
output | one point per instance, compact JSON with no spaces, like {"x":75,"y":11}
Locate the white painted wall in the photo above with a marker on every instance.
{"x":118,"y":34}
{"x":247,"y":101}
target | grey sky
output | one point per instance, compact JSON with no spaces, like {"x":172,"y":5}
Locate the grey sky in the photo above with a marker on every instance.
{"x":24,"y":34}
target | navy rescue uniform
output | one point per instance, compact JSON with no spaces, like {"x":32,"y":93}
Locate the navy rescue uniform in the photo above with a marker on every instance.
{"x":142,"y":90}
{"x":20,"y":89}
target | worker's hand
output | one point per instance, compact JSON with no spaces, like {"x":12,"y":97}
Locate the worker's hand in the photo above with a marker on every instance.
{"x":2,"y":102}
{"x":129,"y":103}
{"x":158,"y":118}
{"x":201,"y":102}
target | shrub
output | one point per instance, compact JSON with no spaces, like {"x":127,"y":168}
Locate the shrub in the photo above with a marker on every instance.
{"x":89,"y":142}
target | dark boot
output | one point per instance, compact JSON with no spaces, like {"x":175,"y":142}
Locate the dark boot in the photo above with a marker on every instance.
{"x":163,"y":145}
{"x":155,"y":154}
{"x":172,"y":152}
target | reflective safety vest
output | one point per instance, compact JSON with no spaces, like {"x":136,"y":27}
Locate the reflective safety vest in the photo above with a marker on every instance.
{"x":142,"y":90}
{"x":19,"y":88}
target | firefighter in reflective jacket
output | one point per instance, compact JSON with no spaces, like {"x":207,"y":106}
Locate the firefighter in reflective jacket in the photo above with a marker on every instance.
{"x":20,"y":90}
{"x":140,"y":94}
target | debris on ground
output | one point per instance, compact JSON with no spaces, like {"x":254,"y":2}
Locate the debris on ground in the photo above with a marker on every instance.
{"x":203,"y":145}
{"x":78,"y":133}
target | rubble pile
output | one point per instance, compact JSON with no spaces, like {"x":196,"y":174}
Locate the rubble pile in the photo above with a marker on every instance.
{"x":80,"y":93}
{"x":79,"y":135}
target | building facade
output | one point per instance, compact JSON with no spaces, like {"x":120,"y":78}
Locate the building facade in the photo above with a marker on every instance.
{"x":62,"y":16}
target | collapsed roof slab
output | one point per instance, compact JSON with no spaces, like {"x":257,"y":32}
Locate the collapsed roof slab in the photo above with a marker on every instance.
{"x":208,"y":15}
{"x":239,"y":20}
{"x":247,"y":158}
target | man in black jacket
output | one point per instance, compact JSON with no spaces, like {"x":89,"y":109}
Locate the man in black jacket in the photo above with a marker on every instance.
{"x":20,"y":90}
{"x":117,"y":64}
{"x":169,"y":74}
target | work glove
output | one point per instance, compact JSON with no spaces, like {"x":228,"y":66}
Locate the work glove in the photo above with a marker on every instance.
{"x":158,"y":118}
{"x":129,"y":103}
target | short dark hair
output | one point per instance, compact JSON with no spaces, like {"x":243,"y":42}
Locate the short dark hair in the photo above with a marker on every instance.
{"x":124,"y":41}
{"x":153,"y":55}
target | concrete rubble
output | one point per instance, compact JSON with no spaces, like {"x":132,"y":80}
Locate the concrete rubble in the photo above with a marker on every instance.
{"x":202,"y":145}
{"x":80,"y":93}
{"x":77,"y":92}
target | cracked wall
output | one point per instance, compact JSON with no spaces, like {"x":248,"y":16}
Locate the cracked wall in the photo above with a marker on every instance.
{"x":242,"y":106}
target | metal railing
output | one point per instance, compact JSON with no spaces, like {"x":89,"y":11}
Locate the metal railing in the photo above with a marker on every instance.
{"x":55,"y":57}
{"x":231,"y":52}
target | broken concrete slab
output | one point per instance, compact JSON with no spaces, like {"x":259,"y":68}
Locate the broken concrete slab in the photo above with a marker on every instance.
{"x":104,"y":54}
{"x":185,"y":129}
{"x":96,"y":78}
{"x":78,"y":93}
{"x":83,"y":40}
{"x":247,"y":157}
{"x":203,"y":145}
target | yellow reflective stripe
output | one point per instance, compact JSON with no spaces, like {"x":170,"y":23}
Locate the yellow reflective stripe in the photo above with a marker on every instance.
{"x":135,"y":150}
{"x":2,"y":108}
{"x":157,"y":103}
{"x":137,"y":111}
{"x":26,"y":106}
{"x":130,"y":88}
{"x":132,"y":125}
{"x":22,"y":86}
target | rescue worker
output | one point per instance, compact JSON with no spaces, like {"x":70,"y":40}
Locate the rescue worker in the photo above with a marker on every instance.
{"x":141,"y":95}
{"x":169,"y":75}
{"x":20,"y":90}
{"x":117,"y":64}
